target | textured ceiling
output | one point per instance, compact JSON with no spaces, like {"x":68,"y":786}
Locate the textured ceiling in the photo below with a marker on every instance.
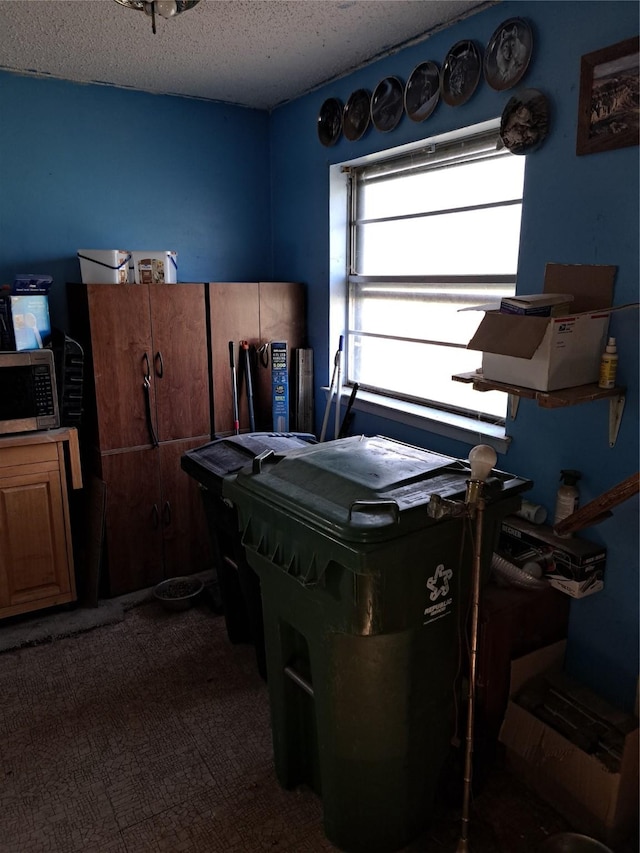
{"x":258,"y":53}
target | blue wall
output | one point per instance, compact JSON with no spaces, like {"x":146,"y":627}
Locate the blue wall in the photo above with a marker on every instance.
{"x":93,"y":167}
{"x":243,"y":195}
{"x":576,"y":210}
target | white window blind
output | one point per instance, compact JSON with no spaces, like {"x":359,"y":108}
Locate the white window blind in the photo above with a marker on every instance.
{"x":430,"y":232}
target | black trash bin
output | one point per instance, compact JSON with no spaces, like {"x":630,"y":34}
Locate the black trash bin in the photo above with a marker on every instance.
{"x":239,"y":584}
{"x":364,"y":596}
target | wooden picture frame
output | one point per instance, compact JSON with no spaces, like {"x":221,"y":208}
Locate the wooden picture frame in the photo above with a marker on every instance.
{"x":608,"y":107}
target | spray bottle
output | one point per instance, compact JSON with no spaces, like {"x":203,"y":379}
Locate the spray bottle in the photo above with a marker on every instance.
{"x":568,"y":496}
{"x":609,"y":365}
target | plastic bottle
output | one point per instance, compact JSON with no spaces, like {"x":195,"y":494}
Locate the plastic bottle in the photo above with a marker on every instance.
{"x":609,"y":365}
{"x":567,"y":497}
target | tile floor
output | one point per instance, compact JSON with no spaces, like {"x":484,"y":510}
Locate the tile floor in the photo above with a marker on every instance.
{"x":152,"y":736}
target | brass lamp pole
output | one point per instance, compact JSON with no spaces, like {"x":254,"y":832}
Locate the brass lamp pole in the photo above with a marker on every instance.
{"x":482,"y":458}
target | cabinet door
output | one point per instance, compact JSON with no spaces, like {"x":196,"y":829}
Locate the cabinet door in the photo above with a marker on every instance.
{"x":133,"y":519}
{"x":235,"y":316}
{"x":180,"y":360}
{"x":186,"y":541}
{"x":35,"y":544}
{"x":120,"y":338}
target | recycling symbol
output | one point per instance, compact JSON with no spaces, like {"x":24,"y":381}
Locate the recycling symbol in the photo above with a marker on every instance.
{"x":438,"y":583}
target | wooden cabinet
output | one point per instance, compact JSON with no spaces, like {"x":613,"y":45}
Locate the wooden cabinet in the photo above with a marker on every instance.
{"x":158,"y":383}
{"x":149,"y":355}
{"x":36,"y":553}
{"x":147,"y":403}
{"x":258,"y":312}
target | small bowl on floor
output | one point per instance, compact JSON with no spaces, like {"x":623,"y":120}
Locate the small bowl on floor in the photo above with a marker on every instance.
{"x":178,"y":593}
{"x":573,"y":842}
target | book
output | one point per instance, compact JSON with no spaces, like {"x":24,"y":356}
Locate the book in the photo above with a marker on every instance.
{"x":280,"y":385}
{"x":537,"y":304}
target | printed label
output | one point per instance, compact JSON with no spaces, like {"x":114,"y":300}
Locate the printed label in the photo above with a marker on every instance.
{"x":439,"y":601}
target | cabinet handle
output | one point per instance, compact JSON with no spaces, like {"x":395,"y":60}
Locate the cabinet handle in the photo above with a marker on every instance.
{"x":146,"y":388}
{"x":159,"y":365}
{"x":166,"y":514}
{"x":155,"y":517}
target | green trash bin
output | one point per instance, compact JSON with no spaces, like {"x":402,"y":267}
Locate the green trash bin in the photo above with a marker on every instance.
{"x":363,"y":600}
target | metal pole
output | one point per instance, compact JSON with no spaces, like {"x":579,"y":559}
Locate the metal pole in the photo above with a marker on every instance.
{"x":463,"y":843}
{"x":234,"y":390}
{"x":327,"y":410}
{"x":336,"y":429}
{"x":247,"y":367}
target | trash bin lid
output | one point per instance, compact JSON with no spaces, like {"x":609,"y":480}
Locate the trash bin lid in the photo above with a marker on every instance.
{"x":359,"y":488}
{"x":213,"y":461}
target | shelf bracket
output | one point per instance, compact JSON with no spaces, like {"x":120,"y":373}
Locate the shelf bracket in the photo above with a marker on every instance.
{"x":616,"y":407}
{"x":514,"y":402}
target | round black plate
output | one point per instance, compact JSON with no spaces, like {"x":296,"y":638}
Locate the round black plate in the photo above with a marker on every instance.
{"x":387,"y":104}
{"x":525,"y":121}
{"x":460,"y":73}
{"x":422,"y":92}
{"x":357,"y":114}
{"x":508,"y":53}
{"x":330,"y":122}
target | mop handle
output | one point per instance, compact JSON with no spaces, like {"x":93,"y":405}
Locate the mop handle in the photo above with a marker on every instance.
{"x":325,"y":420}
{"x":336,"y":429}
{"x":247,"y":366}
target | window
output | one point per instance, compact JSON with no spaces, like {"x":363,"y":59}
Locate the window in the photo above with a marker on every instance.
{"x":430,"y":232}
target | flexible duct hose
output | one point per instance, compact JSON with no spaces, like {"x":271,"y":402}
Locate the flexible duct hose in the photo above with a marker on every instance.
{"x":522,"y":577}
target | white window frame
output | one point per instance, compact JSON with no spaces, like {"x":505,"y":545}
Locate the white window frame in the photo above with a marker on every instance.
{"x":451,"y":424}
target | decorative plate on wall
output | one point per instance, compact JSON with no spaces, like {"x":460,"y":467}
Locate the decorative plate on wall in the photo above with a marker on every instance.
{"x":525,"y":121}
{"x":330,"y":122}
{"x":508,"y":53}
{"x":460,"y":73}
{"x":387,"y":104}
{"x":357,"y":114}
{"x":422,"y":92}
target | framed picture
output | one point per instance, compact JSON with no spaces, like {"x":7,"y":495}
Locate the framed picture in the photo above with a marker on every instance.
{"x":608,"y":104}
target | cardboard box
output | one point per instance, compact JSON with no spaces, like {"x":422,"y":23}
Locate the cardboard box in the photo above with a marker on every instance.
{"x":598,"y":799}
{"x":573,"y":565}
{"x":549,"y":353}
{"x":104,"y":266}
{"x":154,"y":267}
{"x":24,"y":322}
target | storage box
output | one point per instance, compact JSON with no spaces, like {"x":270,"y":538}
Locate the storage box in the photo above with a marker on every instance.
{"x":154,"y":267}
{"x":104,"y":266}
{"x":592,"y":785}
{"x":573,"y":565}
{"x":24,"y":322}
{"x":549,"y":353}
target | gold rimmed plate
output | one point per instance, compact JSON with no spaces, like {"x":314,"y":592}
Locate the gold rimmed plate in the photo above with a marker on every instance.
{"x":422,"y":92}
{"x":508,"y":53}
{"x":460,"y":73}
{"x":357,"y":115}
{"x":387,"y":104}
{"x":330,"y":122}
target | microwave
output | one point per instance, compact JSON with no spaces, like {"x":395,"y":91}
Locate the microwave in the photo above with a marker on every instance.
{"x":28,"y":394}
